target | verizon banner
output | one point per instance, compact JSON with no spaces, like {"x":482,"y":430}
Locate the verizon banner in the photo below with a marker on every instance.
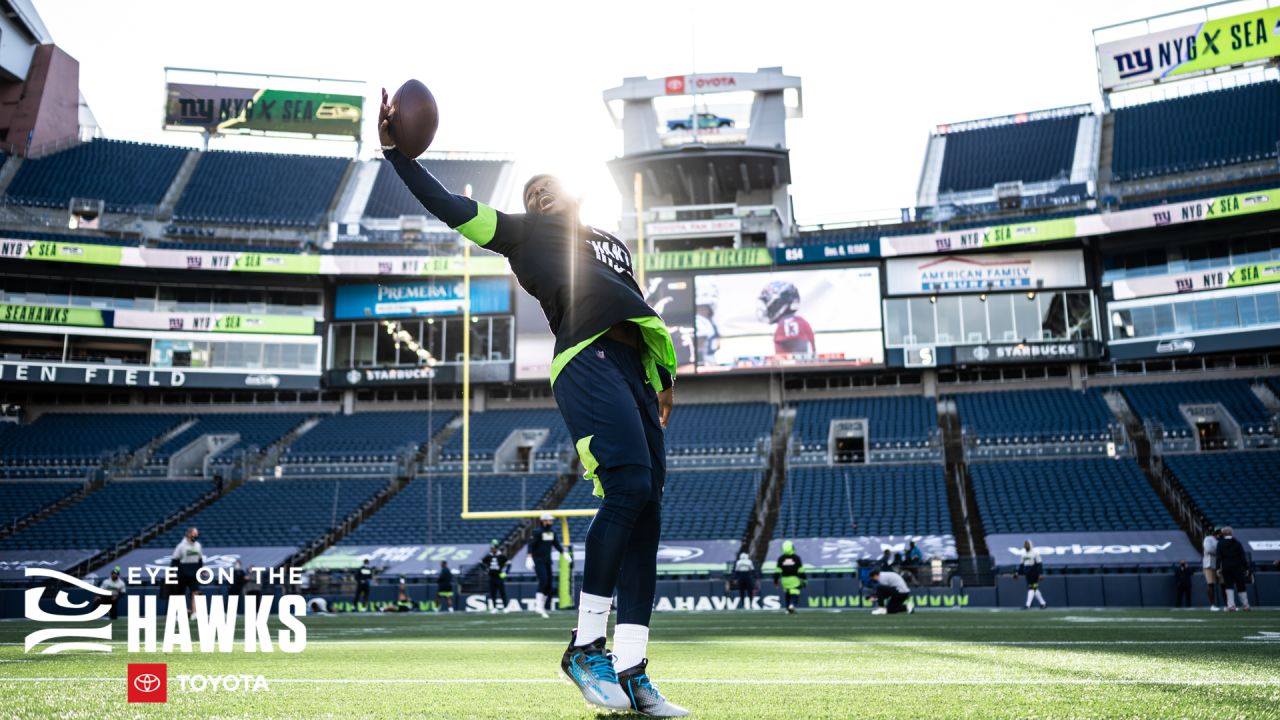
{"x":1262,"y":544}
{"x":990,"y":271}
{"x":14,"y":563}
{"x":836,"y":553}
{"x":1148,"y":547}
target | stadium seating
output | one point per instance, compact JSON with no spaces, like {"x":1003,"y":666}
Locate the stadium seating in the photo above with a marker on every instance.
{"x":255,"y":429}
{"x":712,"y":432}
{"x":237,"y":188}
{"x":1232,"y":488}
{"x":490,"y":428}
{"x":276,"y":512}
{"x":895,"y":422}
{"x":696,"y":504}
{"x":127,"y":176}
{"x":391,"y":199}
{"x":1160,"y":403}
{"x":366,"y":437}
{"x":59,"y":445}
{"x":18,"y":500}
{"x":853,"y":500}
{"x":1067,"y":495}
{"x":1196,"y":132}
{"x":427,"y":510}
{"x":1033,"y":417}
{"x":114,"y":514}
{"x":1031,"y":152}
{"x":90,"y":238}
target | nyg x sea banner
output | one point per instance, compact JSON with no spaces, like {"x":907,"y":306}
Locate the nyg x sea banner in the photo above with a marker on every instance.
{"x":1192,"y":48}
{"x":219,"y":109}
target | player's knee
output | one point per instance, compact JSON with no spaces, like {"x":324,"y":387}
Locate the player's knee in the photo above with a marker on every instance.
{"x":627,"y":487}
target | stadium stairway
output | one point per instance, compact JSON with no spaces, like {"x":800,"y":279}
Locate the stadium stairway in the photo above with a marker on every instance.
{"x":147,"y":534}
{"x":7,"y":171}
{"x":764,"y":515}
{"x":1175,"y":498}
{"x":47,"y":510}
{"x":349,"y":523}
{"x":165,"y":212}
{"x":966,"y":522}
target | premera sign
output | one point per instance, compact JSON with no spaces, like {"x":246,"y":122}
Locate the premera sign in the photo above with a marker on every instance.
{"x":1235,"y":40}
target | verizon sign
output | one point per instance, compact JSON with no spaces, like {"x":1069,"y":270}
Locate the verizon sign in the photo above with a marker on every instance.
{"x":727,"y":226}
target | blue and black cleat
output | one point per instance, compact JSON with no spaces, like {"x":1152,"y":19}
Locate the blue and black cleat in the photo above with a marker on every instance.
{"x":645,"y":698}
{"x":590,"y":667}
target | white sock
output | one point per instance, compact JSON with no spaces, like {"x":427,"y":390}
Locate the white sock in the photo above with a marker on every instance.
{"x":1244,"y":598}
{"x":630,"y":642}
{"x":593,"y":618}
{"x":1039,"y":597}
{"x":540,"y":599}
{"x":1031,"y":595}
{"x":1231,"y":598}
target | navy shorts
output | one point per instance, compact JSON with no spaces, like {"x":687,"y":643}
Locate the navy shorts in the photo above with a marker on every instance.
{"x":612,"y":411}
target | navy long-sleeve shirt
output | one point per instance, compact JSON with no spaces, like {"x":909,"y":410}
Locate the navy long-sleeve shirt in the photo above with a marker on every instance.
{"x":581,"y":276}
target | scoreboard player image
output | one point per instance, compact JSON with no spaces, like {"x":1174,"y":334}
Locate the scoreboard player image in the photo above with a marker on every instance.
{"x":792,"y":334}
{"x":790,"y":319}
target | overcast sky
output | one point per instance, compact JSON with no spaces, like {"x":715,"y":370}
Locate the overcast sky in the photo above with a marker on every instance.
{"x":527,"y":78}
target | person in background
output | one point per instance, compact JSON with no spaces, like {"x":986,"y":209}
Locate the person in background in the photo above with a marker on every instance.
{"x":1234,"y":562}
{"x":891,"y":588}
{"x":403,"y":602}
{"x":497,"y":563}
{"x":364,"y":576}
{"x":1182,"y":583}
{"x":886,"y":560}
{"x":236,"y":589}
{"x":252,"y":582}
{"x":117,"y":588}
{"x":1031,"y":566}
{"x":1210,"y":563}
{"x":913,"y":557}
{"x":744,"y":572}
{"x":540,"y":547}
{"x":444,"y":587}
{"x":790,"y":576}
{"x":189,"y":557}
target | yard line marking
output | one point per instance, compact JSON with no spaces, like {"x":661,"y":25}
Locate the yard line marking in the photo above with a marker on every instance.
{"x":724,"y":681}
{"x":1255,"y":640}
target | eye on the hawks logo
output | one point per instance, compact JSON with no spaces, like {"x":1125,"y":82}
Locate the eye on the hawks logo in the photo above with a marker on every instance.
{"x":675,"y":85}
{"x":148,"y":682}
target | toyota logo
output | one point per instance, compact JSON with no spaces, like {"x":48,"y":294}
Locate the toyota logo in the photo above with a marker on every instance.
{"x":146,"y":683}
{"x":981,"y":353}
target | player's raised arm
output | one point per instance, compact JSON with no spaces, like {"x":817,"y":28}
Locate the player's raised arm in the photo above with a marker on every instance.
{"x":474,"y":220}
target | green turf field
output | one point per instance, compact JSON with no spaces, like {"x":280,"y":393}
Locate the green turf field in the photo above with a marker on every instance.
{"x":959,"y":663}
